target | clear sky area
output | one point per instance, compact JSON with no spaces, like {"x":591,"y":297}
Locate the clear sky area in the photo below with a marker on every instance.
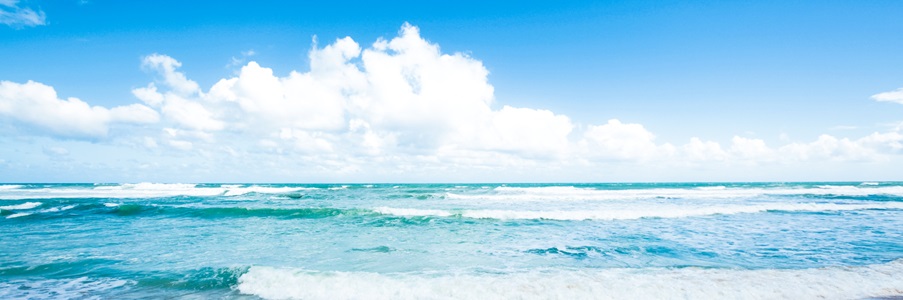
{"x":520,"y":91}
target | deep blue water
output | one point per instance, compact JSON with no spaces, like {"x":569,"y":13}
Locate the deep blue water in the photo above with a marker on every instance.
{"x":442,"y":241}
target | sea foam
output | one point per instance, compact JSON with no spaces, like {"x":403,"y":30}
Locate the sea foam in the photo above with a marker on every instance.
{"x":77,"y":288}
{"x":26,"y":205}
{"x":647,"y":283}
{"x":571,"y":193}
{"x":142,"y":190}
{"x":237,"y":190}
{"x":662,"y":211}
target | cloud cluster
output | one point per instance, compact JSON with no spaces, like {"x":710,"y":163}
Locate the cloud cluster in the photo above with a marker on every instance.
{"x":401,"y":103}
{"x":37,"y":105}
{"x":13,"y":15}
{"x":398,"y":96}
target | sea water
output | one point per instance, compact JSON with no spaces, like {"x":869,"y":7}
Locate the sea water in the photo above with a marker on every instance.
{"x":452,"y":241}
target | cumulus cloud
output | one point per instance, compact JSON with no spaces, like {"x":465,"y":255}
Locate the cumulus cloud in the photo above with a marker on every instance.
{"x":892,"y":96}
{"x":13,"y":15}
{"x":620,"y":141}
{"x":178,"y":104}
{"x":698,"y":150}
{"x":874,"y":147}
{"x":403,"y":100}
{"x":397,"y":104}
{"x":37,"y":105}
{"x":401,"y":95}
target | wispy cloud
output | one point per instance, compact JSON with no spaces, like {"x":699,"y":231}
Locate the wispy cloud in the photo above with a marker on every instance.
{"x":892,"y":96}
{"x":11,"y":14}
{"x":241,"y":60}
{"x":844,"y":127}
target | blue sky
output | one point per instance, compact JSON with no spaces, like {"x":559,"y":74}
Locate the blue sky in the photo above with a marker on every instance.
{"x":803,"y":79}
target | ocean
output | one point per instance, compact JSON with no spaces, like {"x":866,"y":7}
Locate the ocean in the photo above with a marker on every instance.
{"x":452,"y":241}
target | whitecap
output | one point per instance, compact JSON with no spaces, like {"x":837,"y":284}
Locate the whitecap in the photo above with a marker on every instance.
{"x":647,"y":283}
{"x":26,"y":205}
{"x":570,"y":193}
{"x":16,"y":215}
{"x":10,"y":186}
{"x":126,"y":190}
{"x":412,"y":212}
{"x":77,"y":288}
{"x":58,"y":209}
{"x":661,"y":211}
{"x":238,"y":191}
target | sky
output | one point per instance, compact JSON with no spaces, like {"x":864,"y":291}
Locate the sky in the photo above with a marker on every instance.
{"x":463,"y":91}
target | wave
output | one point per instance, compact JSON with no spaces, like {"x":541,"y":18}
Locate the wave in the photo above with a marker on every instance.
{"x":141,"y":190}
{"x":482,"y":193}
{"x":58,"y":209}
{"x":10,"y":186}
{"x":226,"y":212}
{"x":660,"y":211}
{"x":631,"y":214}
{"x":650,"y":283}
{"x":123,"y":210}
{"x":17,"y":215}
{"x":238,"y":191}
{"x":77,"y":288}
{"x":26,"y":205}
{"x":413,"y":212}
{"x":571,"y":193}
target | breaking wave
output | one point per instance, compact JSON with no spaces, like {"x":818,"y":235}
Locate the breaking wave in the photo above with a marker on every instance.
{"x":648,"y":283}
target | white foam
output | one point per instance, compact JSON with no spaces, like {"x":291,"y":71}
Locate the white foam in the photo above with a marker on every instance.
{"x":237,"y":191}
{"x":10,"y":186}
{"x":148,"y":186}
{"x":339,"y":187}
{"x":58,"y":209}
{"x":26,"y":205}
{"x":570,"y":193}
{"x":712,"y":188}
{"x":78,"y":288}
{"x":651,"y":283}
{"x":111,"y":204}
{"x":412,"y":212}
{"x":150,"y":190}
{"x":16,"y":215}
{"x":126,"y":190}
{"x":659,"y":211}
{"x":869,"y":183}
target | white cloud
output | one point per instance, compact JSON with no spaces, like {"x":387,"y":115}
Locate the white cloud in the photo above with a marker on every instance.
{"x":179,"y":104}
{"x":892,"y":96}
{"x":827,"y":147}
{"x":698,"y":150}
{"x":37,"y":104}
{"x":166,"y":66}
{"x":889,"y":142}
{"x":620,"y":141}
{"x":13,"y":15}
{"x":748,"y":149}
{"x":530,"y":132}
{"x":398,"y":106}
{"x":55,"y":151}
{"x":403,"y":101}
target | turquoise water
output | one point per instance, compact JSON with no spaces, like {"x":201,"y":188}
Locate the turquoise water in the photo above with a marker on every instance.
{"x":442,"y":241}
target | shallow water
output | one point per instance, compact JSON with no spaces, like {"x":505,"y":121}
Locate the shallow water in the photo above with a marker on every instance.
{"x":440,"y":241}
